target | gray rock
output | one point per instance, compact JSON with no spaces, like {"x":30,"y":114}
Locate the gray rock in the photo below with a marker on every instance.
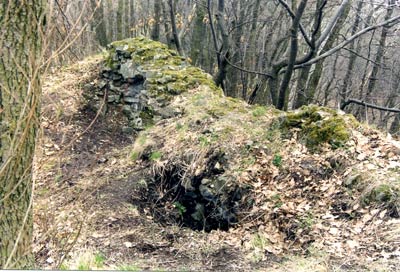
{"x":198,"y":215}
{"x":136,"y":123}
{"x":128,"y":70}
{"x":102,"y":84}
{"x":130,"y":100}
{"x":113,"y":98}
{"x":133,"y":91}
{"x":114,"y":88}
{"x":165,"y":79}
{"x":121,"y":48}
{"x":153,"y":74}
{"x":353,"y":181}
{"x":136,"y":107}
{"x":89,"y":87}
{"x":127,"y":130}
{"x":116,"y":76}
{"x":136,"y":80}
{"x":117,"y":83}
{"x":127,"y":110}
{"x":106,"y":74}
{"x":159,"y":56}
{"x":165,"y":112}
{"x":102,"y":160}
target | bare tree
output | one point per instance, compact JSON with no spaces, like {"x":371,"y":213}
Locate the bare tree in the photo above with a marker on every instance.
{"x":20,"y":91}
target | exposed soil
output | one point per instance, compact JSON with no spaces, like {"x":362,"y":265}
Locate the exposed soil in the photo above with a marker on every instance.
{"x":89,"y":201}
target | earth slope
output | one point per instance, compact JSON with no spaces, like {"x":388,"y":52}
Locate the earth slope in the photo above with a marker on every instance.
{"x":204,"y":181}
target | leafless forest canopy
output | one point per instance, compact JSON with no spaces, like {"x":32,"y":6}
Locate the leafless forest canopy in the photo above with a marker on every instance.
{"x":287,"y":53}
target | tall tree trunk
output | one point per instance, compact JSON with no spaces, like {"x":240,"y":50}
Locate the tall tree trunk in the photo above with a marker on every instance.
{"x":305,"y":72}
{"x":98,"y":22}
{"x":132,"y":19}
{"x":224,"y":51}
{"x":109,"y":19}
{"x":315,"y":77}
{"x":284,"y":90}
{"x":127,"y":25}
{"x":120,"y":20}
{"x":395,"y":126}
{"x":237,"y":56}
{"x":155,"y":32}
{"x":174,"y":28}
{"x":251,"y":50}
{"x":198,"y":34}
{"x":20,"y":91}
{"x":380,"y":52}
{"x":352,"y":57}
{"x":358,"y":111}
{"x":167,"y":29}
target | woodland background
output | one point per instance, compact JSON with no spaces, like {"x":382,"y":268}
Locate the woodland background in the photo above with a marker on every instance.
{"x":336,"y":53}
{"x":248,"y":46}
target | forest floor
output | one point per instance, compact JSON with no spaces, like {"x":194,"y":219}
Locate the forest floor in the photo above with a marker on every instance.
{"x":85,"y":217}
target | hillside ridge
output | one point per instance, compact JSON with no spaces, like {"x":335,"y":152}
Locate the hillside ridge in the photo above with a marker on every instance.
{"x":260,"y":183}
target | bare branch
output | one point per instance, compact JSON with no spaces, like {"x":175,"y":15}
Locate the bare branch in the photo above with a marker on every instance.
{"x":248,"y":71}
{"x":392,"y":21}
{"x":332,"y":23}
{"x":369,"y":105}
{"x":292,"y":15}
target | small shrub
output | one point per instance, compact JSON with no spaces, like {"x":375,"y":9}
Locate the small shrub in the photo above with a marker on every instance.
{"x":64,"y":266}
{"x":204,"y":141}
{"x":307,"y":221}
{"x":83,"y":266}
{"x":181,"y":209}
{"x":277,"y":160}
{"x":318,"y":125}
{"x":277,"y":200}
{"x":134,"y":155}
{"x":259,"y":111}
{"x":381,"y":194}
{"x":99,"y":259}
{"x":155,"y":156}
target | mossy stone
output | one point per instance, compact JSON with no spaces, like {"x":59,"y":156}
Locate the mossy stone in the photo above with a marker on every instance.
{"x":319,"y":125}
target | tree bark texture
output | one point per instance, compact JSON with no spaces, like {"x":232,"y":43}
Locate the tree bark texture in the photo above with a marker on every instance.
{"x":305,"y":72}
{"x":20,"y":89}
{"x":315,"y":77}
{"x":174,"y":27}
{"x":155,"y":32}
{"x":380,"y":52}
{"x":120,"y":20}
{"x":198,"y":35}
{"x":99,"y":23}
{"x":352,"y":57}
{"x":224,"y":51}
{"x":284,"y":88}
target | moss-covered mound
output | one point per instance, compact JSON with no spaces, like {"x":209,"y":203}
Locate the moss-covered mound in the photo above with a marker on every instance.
{"x":218,"y":163}
{"x":166,"y":72}
{"x":321,"y":125}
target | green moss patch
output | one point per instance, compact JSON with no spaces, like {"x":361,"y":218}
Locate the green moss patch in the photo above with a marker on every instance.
{"x":382,"y":194}
{"x":166,"y":73}
{"x":320,"y":125}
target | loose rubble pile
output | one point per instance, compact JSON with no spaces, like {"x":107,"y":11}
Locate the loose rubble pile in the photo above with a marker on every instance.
{"x":215,"y":162}
{"x":141,"y":76}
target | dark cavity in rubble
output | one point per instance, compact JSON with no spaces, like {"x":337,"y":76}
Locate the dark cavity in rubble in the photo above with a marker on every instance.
{"x":202,"y":202}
